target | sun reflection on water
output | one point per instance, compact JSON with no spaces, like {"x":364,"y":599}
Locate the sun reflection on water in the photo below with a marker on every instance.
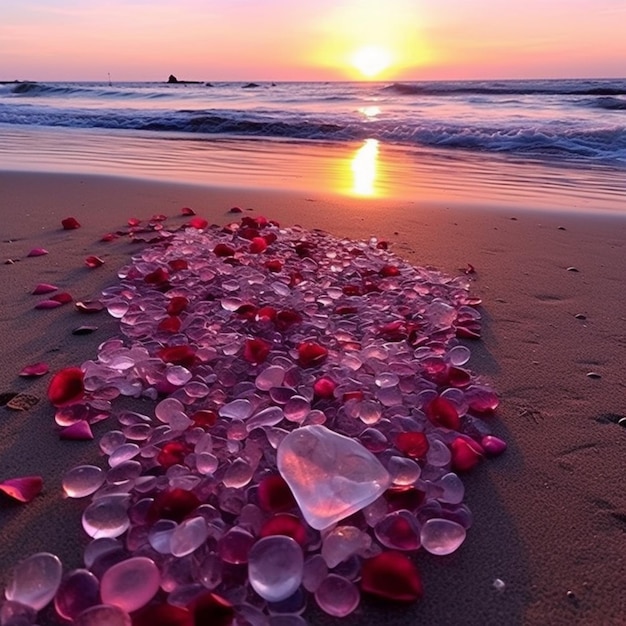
{"x":364,"y":168}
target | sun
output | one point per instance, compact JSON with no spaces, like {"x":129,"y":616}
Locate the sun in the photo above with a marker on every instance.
{"x":371,"y":61}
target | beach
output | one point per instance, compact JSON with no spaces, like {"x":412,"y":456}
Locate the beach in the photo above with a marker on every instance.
{"x":549,"y":514}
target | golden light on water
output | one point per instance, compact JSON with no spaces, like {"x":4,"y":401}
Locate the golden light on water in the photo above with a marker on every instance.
{"x":370,"y":111}
{"x":364,"y":167}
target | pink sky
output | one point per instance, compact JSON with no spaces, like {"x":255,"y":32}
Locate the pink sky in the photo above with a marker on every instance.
{"x":287,"y":40}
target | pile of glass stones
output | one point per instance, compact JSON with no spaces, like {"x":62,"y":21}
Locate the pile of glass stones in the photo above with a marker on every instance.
{"x":307,"y":411}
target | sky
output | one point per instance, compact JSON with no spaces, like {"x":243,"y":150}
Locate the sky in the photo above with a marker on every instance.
{"x":214,"y":40}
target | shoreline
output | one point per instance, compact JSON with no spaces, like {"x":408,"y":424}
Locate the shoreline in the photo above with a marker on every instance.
{"x":548,"y":514}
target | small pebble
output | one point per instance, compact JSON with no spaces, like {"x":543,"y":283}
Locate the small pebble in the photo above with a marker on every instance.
{"x":499,"y":585}
{"x":572,"y":269}
{"x":594,"y":375}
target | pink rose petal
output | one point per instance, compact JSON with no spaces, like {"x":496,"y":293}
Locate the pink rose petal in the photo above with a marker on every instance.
{"x":42,"y":288}
{"x":48,"y":304}
{"x":94,"y":261}
{"x":36,"y":369}
{"x":37,"y":252}
{"x":78,"y":431}
{"x":22,"y":489}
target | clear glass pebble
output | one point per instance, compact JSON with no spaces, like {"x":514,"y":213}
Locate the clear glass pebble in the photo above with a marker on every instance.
{"x":82,"y":481}
{"x":337,"y":596}
{"x":103,"y":615}
{"x":78,"y":591}
{"x":130,"y":584}
{"x":106,"y":517}
{"x":35,"y":580}
{"x":189,"y":536}
{"x":442,"y":536}
{"x":275,"y":566}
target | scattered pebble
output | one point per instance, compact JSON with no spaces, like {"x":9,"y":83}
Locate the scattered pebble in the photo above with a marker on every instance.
{"x":580,"y":316}
{"x":499,"y":585}
{"x":572,"y":269}
{"x":594,"y":375}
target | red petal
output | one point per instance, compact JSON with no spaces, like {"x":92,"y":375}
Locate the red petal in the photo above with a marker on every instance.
{"x":389,"y":270}
{"x":93,"y":261}
{"x":42,"y":288}
{"x":274,"y":265}
{"x":223,"y":249}
{"x":493,"y":446}
{"x":311,"y":354}
{"x":170,"y":324}
{"x":70,"y":223}
{"x":392,"y":576}
{"x":285,"y":524}
{"x":178,"y":355}
{"x":23,"y":489}
{"x":162,"y":615}
{"x":258,"y":245}
{"x":78,"y":431}
{"x":458,"y":377}
{"x":172,"y":453}
{"x":256,"y":350}
{"x":48,"y":304}
{"x":187,"y":211}
{"x":287,"y":318}
{"x":157,"y":277}
{"x":62,"y":297}
{"x":198,"y":222}
{"x":442,"y":412}
{"x":36,"y":369}
{"x":212,"y":610}
{"x":274,"y":494}
{"x":413,"y":444}
{"x":466,"y":454}
{"x":108,"y":237}
{"x":37,"y":252}
{"x":175,"y":504}
{"x":66,"y":386}
{"x":133,"y":221}
{"x":266,"y":314}
{"x":177,"y":305}
{"x":204,"y":418}
{"x":324,"y":387}
{"x":178,"y":264}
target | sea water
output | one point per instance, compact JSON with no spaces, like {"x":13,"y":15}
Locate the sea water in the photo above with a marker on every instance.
{"x":518,"y":141}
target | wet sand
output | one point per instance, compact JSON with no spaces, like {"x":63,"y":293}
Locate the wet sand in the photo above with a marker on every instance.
{"x":549,"y":515}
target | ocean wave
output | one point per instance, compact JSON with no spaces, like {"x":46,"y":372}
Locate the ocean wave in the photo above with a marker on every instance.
{"x":608,"y":103}
{"x":548,"y":140}
{"x":547,"y":88}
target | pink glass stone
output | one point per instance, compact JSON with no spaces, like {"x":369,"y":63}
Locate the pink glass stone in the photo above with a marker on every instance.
{"x":331,"y":476}
{"x":103,"y":615}
{"x":442,"y":536}
{"x":337,"y":596}
{"x":78,"y":591}
{"x":79,"y":431}
{"x":493,"y":446}
{"x":35,"y":580}
{"x":235,"y":546}
{"x":275,"y":567}
{"x":130,"y":584}
{"x":399,"y":531}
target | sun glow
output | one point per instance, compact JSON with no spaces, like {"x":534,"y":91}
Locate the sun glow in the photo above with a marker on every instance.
{"x":371,"y":61}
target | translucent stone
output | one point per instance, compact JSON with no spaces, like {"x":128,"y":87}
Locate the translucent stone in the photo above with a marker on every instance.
{"x":442,"y":536}
{"x":167,"y":408}
{"x":130,"y":584}
{"x":97,"y":548}
{"x":438,"y":454}
{"x":106,"y":517}
{"x":177,"y":375}
{"x":267,"y":417}
{"x":399,"y":531}
{"x":272,"y":376}
{"x":337,"y":596}
{"x":314,"y":572}
{"x":238,"y":409}
{"x":124,"y":453}
{"x":296,"y":408}
{"x":403,"y":471}
{"x":238,"y":474}
{"x":235,"y":546}
{"x":111,"y":441}
{"x":331,"y":476}
{"x":387,"y":379}
{"x":35,"y":580}
{"x":189,"y":536}
{"x":275,"y":566}
{"x":343,"y":542}
{"x":210,"y":571}
{"x":16,"y":614}
{"x":78,"y":591}
{"x":160,"y":535}
{"x":103,"y":615}
{"x":458,"y":356}
{"x":452,"y":489}
{"x":82,"y":481}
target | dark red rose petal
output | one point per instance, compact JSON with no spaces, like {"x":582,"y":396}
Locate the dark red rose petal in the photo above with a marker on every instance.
{"x":389,"y":270}
{"x":287,"y":318}
{"x":163,"y":615}
{"x":198,"y":222}
{"x":353,"y":395}
{"x":133,"y":221}
{"x":70,"y":223}
{"x":175,"y":504}
{"x":63,"y":297}
{"x":78,"y":431}
{"x":442,"y":412}
{"x":258,"y":245}
{"x":413,"y":444}
{"x":176,"y":265}
{"x":235,"y":209}
{"x":157,"y":277}
{"x":48,"y":304}
{"x":187,"y":211}
{"x":256,"y":350}
{"x":204,"y":418}
{"x":66,"y":386}
{"x":177,"y":305}
{"x":285,"y":524}
{"x":466,"y":454}
{"x":392,"y":576}
{"x":172,"y":453}
{"x":274,"y":494}
{"x":324,"y":387}
{"x":311,"y":354}
{"x":458,"y":377}
{"x":212,"y":610}
{"x":266,"y":314}
{"x":107,"y":237}
{"x":170,"y":324}
{"x":223,"y":250}
{"x":178,"y":355}
{"x":23,"y":489}
{"x":274,"y":265}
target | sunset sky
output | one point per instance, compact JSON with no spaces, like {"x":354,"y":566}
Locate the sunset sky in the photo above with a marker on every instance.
{"x":320,"y":40}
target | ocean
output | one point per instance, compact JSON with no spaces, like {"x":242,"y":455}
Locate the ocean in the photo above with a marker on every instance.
{"x":554,"y":143}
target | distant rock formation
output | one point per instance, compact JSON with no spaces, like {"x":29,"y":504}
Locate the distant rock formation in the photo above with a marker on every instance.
{"x":251,"y":86}
{"x":172,"y":79}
